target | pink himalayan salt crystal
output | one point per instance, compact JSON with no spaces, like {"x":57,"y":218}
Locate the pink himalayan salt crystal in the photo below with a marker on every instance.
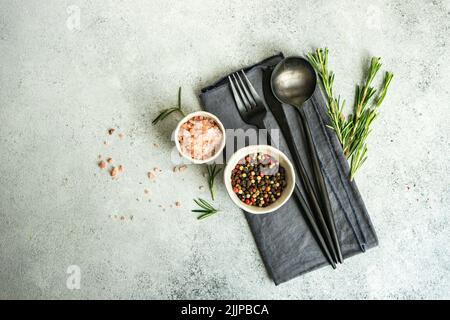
{"x":200,"y":137}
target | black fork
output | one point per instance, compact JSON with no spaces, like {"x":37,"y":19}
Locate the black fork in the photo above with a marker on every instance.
{"x":253,"y":111}
{"x":250,"y":106}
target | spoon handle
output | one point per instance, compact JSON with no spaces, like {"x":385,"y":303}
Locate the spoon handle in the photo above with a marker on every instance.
{"x":323,"y":193}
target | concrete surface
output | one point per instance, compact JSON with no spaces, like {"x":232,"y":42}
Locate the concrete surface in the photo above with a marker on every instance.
{"x":72,"y":69}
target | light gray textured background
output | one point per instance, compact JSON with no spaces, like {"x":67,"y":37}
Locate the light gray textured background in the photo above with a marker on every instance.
{"x":63,"y":85}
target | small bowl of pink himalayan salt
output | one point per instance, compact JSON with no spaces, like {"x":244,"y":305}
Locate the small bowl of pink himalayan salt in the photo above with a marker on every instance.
{"x":200,"y":137}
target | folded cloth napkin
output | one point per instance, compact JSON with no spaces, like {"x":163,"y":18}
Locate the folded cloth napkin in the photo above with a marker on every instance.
{"x":285,"y":242}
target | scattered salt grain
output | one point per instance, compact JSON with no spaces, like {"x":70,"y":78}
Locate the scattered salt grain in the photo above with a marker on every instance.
{"x":102,"y":164}
{"x":114,"y":171}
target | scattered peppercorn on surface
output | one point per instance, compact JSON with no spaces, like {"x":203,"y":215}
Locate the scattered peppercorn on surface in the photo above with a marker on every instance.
{"x":258,"y":179}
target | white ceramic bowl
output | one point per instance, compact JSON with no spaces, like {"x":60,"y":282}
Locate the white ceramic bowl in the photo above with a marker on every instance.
{"x":284,"y":162}
{"x":204,"y":114}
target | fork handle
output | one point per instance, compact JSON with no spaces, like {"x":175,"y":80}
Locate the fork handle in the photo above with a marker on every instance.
{"x":261,"y":125}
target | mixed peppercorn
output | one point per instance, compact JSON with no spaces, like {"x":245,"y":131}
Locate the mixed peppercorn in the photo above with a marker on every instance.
{"x":258,"y":180}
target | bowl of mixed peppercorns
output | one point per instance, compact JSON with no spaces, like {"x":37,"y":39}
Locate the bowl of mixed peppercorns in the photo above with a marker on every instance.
{"x":259,"y":178}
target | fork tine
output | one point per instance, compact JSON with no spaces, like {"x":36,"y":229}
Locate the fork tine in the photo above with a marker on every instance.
{"x":247,"y":94}
{"x":255,"y":94}
{"x":242,"y":95}
{"x":237,"y":99}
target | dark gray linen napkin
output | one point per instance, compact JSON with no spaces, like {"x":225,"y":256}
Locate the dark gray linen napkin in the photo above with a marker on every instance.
{"x":285,"y":242}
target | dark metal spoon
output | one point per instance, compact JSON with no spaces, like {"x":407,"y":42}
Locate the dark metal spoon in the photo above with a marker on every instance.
{"x":293,"y":82}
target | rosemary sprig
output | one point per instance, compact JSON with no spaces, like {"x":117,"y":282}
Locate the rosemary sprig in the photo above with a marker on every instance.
{"x":364,"y":114}
{"x":206,"y":210}
{"x":339,"y":123}
{"x":213,"y":170}
{"x":352,"y":131}
{"x":164,"y":113}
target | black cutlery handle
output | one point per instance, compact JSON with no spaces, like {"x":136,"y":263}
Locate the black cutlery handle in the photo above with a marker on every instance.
{"x":309,"y":215}
{"x":322,"y":192}
{"x":312,"y":222}
{"x":311,"y":194}
{"x":317,"y":210}
{"x":306,"y":182}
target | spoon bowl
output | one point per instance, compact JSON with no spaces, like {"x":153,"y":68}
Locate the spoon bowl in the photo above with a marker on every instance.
{"x":293,"y":81}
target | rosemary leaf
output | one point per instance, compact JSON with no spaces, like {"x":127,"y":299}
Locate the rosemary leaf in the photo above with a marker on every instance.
{"x":206,"y":209}
{"x":206,"y":205}
{"x":213,"y":171}
{"x":197,"y":201}
{"x":203,"y":216}
{"x":166,"y":112}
